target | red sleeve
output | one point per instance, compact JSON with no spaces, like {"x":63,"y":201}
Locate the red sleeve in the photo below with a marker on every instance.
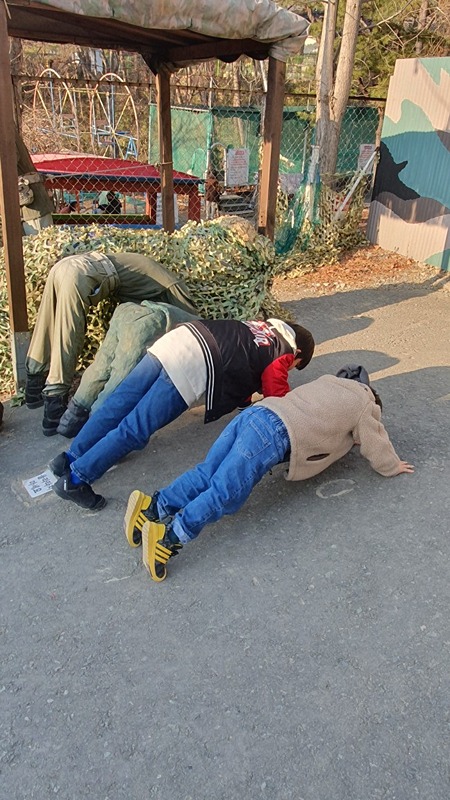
{"x":274,"y":380}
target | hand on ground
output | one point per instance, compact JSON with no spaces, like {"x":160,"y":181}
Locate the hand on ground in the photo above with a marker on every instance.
{"x":404,"y":467}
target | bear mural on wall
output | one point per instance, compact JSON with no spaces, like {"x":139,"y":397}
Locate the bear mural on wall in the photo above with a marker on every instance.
{"x":405,"y":202}
{"x":410,"y":208}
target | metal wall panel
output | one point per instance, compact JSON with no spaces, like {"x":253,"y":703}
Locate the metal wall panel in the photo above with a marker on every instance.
{"x":410,"y":208}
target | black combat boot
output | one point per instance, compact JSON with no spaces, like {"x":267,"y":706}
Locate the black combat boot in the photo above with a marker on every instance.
{"x":54,"y":407}
{"x":73,"y":419}
{"x":33,"y":389}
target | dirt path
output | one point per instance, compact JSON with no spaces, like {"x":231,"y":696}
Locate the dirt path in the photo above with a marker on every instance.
{"x":368,"y":266}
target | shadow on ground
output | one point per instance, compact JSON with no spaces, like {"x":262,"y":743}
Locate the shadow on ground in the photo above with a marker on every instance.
{"x":298,"y":650}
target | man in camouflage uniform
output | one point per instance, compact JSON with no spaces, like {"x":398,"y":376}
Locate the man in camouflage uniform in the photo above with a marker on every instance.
{"x":73,"y":285}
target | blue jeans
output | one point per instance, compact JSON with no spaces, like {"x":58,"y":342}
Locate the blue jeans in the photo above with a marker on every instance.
{"x":250,"y":446}
{"x":144,"y":402}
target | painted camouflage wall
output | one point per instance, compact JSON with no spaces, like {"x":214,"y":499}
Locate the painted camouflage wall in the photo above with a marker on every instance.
{"x":410,"y":208}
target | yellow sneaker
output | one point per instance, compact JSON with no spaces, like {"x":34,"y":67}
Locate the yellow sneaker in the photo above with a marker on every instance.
{"x":138,"y":502}
{"x":157,"y":549}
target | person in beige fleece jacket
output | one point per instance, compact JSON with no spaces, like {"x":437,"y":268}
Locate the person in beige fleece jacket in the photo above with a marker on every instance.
{"x":310,"y":428}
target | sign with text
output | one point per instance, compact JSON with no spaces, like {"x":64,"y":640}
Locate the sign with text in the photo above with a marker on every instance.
{"x":365,"y":152}
{"x":237,"y":166}
{"x":159,"y":209}
{"x":40,"y":484}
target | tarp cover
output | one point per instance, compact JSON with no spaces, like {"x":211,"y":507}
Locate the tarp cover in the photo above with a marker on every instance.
{"x":86,"y":165}
{"x":261,"y":20}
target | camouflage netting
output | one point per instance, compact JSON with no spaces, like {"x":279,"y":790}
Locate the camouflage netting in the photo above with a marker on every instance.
{"x":227,"y":266}
{"x":325,"y":239}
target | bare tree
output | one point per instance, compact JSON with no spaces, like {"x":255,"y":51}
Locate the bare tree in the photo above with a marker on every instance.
{"x":333,"y":82}
{"x":422,"y":23}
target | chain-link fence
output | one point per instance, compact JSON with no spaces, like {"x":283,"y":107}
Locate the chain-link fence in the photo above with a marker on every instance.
{"x":97,"y":144}
{"x":90,"y":141}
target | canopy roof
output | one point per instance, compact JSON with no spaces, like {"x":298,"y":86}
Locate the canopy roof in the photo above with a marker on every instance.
{"x":168,"y":34}
{"x":174,"y":32}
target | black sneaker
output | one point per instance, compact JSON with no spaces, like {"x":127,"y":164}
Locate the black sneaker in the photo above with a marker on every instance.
{"x":33,"y":390}
{"x":80,"y":493}
{"x":54,"y":408}
{"x":72,"y":420}
{"x":60,"y":464}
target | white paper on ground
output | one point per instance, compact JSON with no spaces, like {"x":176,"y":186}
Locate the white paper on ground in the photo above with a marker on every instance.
{"x":40,"y":484}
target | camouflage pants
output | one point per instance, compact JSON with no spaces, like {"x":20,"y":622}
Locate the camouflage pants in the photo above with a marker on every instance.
{"x":73,"y":284}
{"x":133,"y":328}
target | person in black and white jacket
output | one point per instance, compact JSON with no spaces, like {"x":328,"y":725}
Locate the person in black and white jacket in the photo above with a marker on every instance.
{"x":225,"y":361}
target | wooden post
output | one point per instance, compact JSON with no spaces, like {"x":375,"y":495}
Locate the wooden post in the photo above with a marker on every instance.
{"x":194,"y":208}
{"x":273,"y":121}
{"x":38,"y":213}
{"x":10,"y":212}
{"x":165,"y":148}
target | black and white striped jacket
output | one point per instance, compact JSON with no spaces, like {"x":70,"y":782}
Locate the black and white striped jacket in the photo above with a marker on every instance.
{"x":236,"y":355}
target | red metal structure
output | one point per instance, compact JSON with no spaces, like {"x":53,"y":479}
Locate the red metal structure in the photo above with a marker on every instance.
{"x":88,"y":173}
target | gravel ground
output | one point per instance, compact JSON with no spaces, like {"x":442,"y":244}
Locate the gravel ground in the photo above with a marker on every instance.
{"x":299,"y":649}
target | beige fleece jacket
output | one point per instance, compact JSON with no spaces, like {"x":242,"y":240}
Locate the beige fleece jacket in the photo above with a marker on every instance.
{"x":325,"y":418}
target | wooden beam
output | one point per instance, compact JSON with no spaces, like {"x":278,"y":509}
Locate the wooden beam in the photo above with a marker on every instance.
{"x":273,"y":121}
{"x":10,"y":211}
{"x":226,"y":49}
{"x":165,"y":148}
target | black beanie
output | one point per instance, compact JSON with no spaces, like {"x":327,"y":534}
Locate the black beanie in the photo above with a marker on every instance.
{"x":358,"y":373}
{"x":355,"y":373}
